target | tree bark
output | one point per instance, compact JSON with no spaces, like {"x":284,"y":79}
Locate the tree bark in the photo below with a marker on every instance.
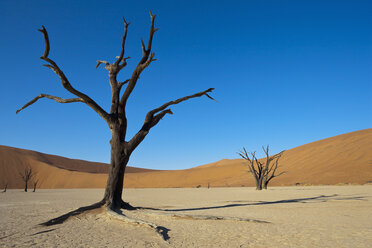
{"x":119,"y":160}
{"x":265,"y":184}
{"x":259,"y":184}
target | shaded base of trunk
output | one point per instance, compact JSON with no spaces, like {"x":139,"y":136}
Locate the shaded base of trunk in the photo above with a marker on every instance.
{"x":127,"y":206}
{"x":258,"y":187}
{"x":64,"y":217}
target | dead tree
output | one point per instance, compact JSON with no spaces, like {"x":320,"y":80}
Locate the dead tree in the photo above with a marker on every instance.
{"x":263,"y":171}
{"x":36,"y":181}
{"x":121,"y":146}
{"x":26,"y":176}
{"x":5,"y":187}
{"x":255,"y":167}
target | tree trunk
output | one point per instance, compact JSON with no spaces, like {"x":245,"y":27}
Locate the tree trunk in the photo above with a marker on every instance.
{"x":265,"y":184}
{"x":259,"y":184}
{"x":35,"y":184}
{"x":26,"y":186}
{"x":119,"y":160}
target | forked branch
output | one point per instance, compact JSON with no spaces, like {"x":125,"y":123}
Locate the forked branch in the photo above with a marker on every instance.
{"x":271,"y":173}
{"x":154,"y":116}
{"x":252,"y":168}
{"x":102,"y":62}
{"x":147,"y":58}
{"x":121,"y":84}
{"x":151,"y":113}
{"x":120,"y":58}
{"x":65,"y":83}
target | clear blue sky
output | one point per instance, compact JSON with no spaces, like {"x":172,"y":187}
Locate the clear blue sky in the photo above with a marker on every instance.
{"x":286,"y":73}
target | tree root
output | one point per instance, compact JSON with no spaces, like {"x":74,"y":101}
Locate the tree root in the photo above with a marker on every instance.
{"x":117,"y":214}
{"x":64,"y":217}
{"x":162,"y":231}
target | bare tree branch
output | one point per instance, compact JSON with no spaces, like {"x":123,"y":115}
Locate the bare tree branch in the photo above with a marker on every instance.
{"x":251,"y":167}
{"x":123,"y":43}
{"x":270,"y":174}
{"x":65,"y":83}
{"x":102,"y":62}
{"x":143,"y":48}
{"x":166,"y":105}
{"x":144,"y":62}
{"x":152,"y":31}
{"x":55,"y":98}
{"x":154,"y":116}
{"x":46,"y":40}
{"x":160,"y":116}
{"x":268,"y":159}
{"x":123,"y":64}
{"x":122,"y":84}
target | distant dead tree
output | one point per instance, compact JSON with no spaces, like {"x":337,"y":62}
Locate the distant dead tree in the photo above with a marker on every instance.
{"x":116,"y":118}
{"x":5,"y":187}
{"x":262,"y":171}
{"x":36,"y":181}
{"x":26,"y":176}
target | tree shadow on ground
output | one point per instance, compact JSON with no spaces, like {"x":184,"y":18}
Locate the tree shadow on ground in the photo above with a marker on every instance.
{"x":46,"y":231}
{"x":64,"y":217}
{"x":321,"y":198}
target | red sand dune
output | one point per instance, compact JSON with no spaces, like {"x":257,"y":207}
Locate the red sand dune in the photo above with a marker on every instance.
{"x":345,"y":158}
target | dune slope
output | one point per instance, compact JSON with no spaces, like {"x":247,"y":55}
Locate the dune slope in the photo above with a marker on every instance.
{"x":52,"y":171}
{"x":345,"y":158}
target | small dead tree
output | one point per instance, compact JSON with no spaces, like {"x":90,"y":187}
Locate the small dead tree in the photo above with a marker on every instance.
{"x":6,"y":186}
{"x":26,"y":176}
{"x":264,"y":170}
{"x":36,"y":181}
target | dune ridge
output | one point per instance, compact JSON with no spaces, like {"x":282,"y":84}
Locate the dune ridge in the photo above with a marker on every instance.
{"x":346,"y":158}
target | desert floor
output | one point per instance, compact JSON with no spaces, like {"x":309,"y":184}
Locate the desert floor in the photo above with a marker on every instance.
{"x":313,"y":216}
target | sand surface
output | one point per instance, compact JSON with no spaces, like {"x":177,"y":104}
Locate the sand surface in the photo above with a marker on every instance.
{"x":313,"y":216}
